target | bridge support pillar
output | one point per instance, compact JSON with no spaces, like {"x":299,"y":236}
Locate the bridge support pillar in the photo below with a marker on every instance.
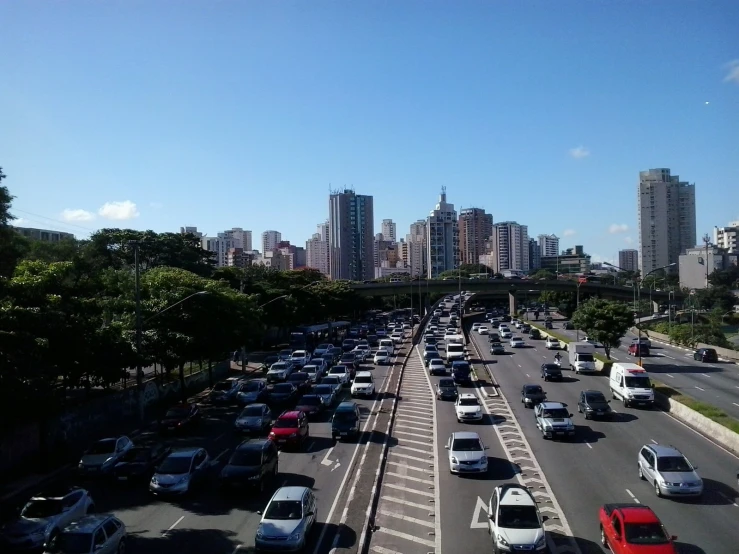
{"x":512,"y":304}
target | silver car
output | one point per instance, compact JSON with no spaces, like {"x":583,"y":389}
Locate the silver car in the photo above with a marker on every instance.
{"x":287,"y":520}
{"x":467,"y":453}
{"x":103,"y":455}
{"x":668,"y":471}
{"x":180,"y":472}
{"x":255,"y":418}
{"x":95,"y":534}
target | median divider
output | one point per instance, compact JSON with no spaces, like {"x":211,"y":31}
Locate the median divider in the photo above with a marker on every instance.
{"x":493,"y":383}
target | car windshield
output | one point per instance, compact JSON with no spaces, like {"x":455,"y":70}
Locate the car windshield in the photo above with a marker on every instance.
{"x":535,"y":389}
{"x":518,"y":517}
{"x":253,"y":386}
{"x":286,"y":423}
{"x":175,"y":465}
{"x":495,"y":344}
{"x":337,"y":369}
{"x":224,"y":386}
{"x":138,"y":454}
{"x":323,"y":389}
{"x":246,"y":458}
{"x":324,"y":346}
{"x":284,"y":509}
{"x":645,"y":533}
{"x":42,"y":508}
{"x":299,"y":354}
{"x":455,"y":348}
{"x":298,"y":377}
{"x":595,"y":397}
{"x":466,"y":445}
{"x":73,"y":543}
{"x":381,"y":353}
{"x":103,"y":447}
{"x":673,"y":463}
{"x":310,"y":401}
{"x":551,"y":367}
{"x":285,"y":352}
{"x":637,"y":382}
{"x":556,"y":413}
{"x":363,"y":379}
{"x":252,"y":411}
{"x":344,"y":415}
{"x":283,"y":388}
{"x":445,"y":383}
{"x":585,"y":358}
{"x":330,"y":380}
{"x":461,"y":367}
{"x":469,"y":402}
{"x":177,"y":412}
{"x":279,"y":366}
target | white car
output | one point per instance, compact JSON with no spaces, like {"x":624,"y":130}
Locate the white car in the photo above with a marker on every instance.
{"x":467,"y":453}
{"x":503,"y":327}
{"x":483,"y":330}
{"x":450,"y":331}
{"x":514,"y":518}
{"x":467,"y":408}
{"x":517,"y":342}
{"x":340,"y":371}
{"x":362,"y":351}
{"x":382,"y":356}
{"x":476,"y":326}
{"x":363,"y":384}
{"x":506,"y":333}
{"x":436,"y":365}
{"x":313,"y":372}
{"x":300,"y":358}
{"x":552,"y":344}
{"x":397,"y":337}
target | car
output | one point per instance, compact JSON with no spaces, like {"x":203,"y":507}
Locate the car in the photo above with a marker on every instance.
{"x":311,"y":404}
{"x":327,"y":392}
{"x":497,"y":348}
{"x":43,"y":517}
{"x":633,"y":529}
{"x":436,"y":365}
{"x":531,"y":395}
{"x":140,"y":461}
{"x":254,"y":391}
{"x":225,"y":391}
{"x":506,"y":334}
{"x":517,"y":342}
{"x":180,"y":472}
{"x":287,"y":520}
{"x":428,"y":356}
{"x":320,"y":363}
{"x":299,"y":358}
{"x":430,"y":348}
{"x":255,"y":418}
{"x":301,"y":380}
{"x":290,"y":430}
{"x":363,"y":385}
{"x":552,"y":344}
{"x":668,"y":471}
{"x":483,"y":330}
{"x":644,"y":341}
{"x":514,"y":519}
{"x":280,"y":371}
{"x":336,"y":352}
{"x":348,"y":345}
{"x":382,"y":357}
{"x":567,"y":325}
{"x":268,"y":361}
{"x":346,"y":421}
{"x":349,"y":359}
{"x":592,"y":341}
{"x":283,"y":394}
{"x":476,"y":326}
{"x":467,"y":453}
{"x":467,"y":408}
{"x":180,"y":417}
{"x":638,"y":349}
{"x":253,"y":464}
{"x":534,"y":334}
{"x":285,"y":354}
{"x":329,"y":358}
{"x":503,"y":327}
{"x":363,"y":351}
{"x":593,"y":405}
{"x":103,"y":455}
{"x":342,"y":373}
{"x":397,"y":337}
{"x":446,"y":389}
{"x":554,"y":420}
{"x":322,"y":348}
{"x":551,"y":372}
{"x":525,"y":328}
{"x":335,"y":382}
{"x":91,"y":534}
{"x":314,"y":372}
{"x":706,"y":355}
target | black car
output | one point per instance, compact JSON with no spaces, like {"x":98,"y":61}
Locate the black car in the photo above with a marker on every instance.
{"x":706,"y":355}
{"x":567,"y":326}
{"x":267,"y":363}
{"x":350,"y":359}
{"x":593,"y":404}
{"x":534,"y":334}
{"x":140,"y":461}
{"x":373,"y":340}
{"x":346,"y":421}
{"x":310,"y":404}
{"x":531,"y":395}
{"x":252,"y":464}
{"x":283,"y":394}
{"x":301,"y":380}
{"x":551,"y":372}
{"x":446,"y":389}
{"x":180,"y":417}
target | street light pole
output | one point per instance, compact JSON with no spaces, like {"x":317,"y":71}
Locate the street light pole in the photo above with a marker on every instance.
{"x":577,"y":308}
{"x":139,"y":330}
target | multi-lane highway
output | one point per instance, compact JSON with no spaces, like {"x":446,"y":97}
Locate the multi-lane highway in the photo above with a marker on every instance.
{"x":600,"y":465}
{"x":716,"y":384}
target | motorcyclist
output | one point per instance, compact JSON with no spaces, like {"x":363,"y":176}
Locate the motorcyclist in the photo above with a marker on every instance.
{"x":557,"y":358}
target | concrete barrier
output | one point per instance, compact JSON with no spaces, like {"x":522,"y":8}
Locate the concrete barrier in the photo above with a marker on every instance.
{"x":724,"y":354}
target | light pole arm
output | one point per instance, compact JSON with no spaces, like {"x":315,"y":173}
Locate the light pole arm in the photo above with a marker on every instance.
{"x":156,"y":315}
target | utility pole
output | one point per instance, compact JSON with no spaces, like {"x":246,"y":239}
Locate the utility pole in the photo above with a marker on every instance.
{"x":139,"y":331}
{"x":707,"y":241}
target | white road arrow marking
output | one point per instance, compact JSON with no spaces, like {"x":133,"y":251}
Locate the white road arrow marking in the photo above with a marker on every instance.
{"x":479,"y":507}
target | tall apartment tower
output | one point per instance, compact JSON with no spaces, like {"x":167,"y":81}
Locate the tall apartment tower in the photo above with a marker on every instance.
{"x":351,"y":236}
{"x":475,"y":228}
{"x":270,"y":240}
{"x":509,"y":244}
{"x":534,"y":255}
{"x":443,"y":238}
{"x":417,"y":241}
{"x":548,"y":245}
{"x":239,"y":237}
{"x":666,"y":212}
{"x":389,"y":230}
{"x":727,"y":237}
{"x":628,"y":259}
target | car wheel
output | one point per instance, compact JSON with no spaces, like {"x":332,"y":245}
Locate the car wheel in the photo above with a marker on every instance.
{"x":641,"y":473}
{"x":579,"y":409}
{"x":603,"y":539}
{"x":122,"y":546}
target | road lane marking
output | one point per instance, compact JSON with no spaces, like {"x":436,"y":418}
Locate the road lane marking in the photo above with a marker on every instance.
{"x":382,"y":550}
{"x":670,"y":375}
{"x":421,"y":435}
{"x":527,"y":375}
{"x":326,"y":461}
{"x":634,"y":498}
{"x":728,"y":499}
{"x":429,"y":428}
{"x":735,"y":404}
{"x":406,"y":466}
{"x":175,"y":524}
{"x":219,"y":437}
{"x":705,"y":375}
{"x":406,"y":502}
{"x":408,"y":489}
{"x":589,"y":445}
{"x":704,"y":390}
{"x":480,"y":506}
{"x":406,"y":536}
{"x":404,"y":517}
{"x":654,"y":441}
{"x":408,"y":457}
{"x":409,"y":478}
{"x":220,"y":455}
{"x":407,"y":416}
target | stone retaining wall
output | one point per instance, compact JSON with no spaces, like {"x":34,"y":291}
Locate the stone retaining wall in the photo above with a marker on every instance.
{"x":724,"y":353}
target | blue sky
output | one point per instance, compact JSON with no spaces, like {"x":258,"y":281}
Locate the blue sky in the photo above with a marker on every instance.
{"x":225,"y":114}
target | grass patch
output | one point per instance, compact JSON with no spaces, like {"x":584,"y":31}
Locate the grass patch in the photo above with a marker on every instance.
{"x":711,"y":412}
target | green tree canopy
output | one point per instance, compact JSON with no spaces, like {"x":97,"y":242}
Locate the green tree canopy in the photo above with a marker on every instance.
{"x":605,"y":321}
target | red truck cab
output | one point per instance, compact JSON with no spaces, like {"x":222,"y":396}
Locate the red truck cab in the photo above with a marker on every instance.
{"x":634,"y":529}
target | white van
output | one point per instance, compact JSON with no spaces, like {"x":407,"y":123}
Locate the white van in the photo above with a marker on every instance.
{"x":387,"y":344}
{"x":630,"y":383}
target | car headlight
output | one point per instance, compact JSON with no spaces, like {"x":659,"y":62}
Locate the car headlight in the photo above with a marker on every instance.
{"x":259,"y":532}
{"x":154,"y":480}
{"x":184,"y":479}
{"x":502,"y":541}
{"x":570,"y":427}
{"x":81,"y":465}
{"x":296,"y":536}
{"x":454,"y":460}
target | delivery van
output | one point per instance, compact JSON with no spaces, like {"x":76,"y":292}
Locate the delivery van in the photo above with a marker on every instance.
{"x":631,"y":384}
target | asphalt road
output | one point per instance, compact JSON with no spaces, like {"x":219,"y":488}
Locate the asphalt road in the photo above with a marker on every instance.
{"x":209,"y":521}
{"x":599,"y":466}
{"x":715,"y":384}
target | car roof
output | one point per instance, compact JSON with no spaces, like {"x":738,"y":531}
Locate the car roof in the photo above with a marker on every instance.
{"x":446,"y":381}
{"x":185,"y":453}
{"x":290,"y":493}
{"x":551,"y":405}
{"x":639,"y":514}
{"x":516,"y":495}
{"x":61,"y":492}
{"x":346,"y":406}
{"x":591,"y":391}
{"x":661,"y":450}
{"x":290,"y":414}
{"x":467,"y":395}
{"x":87,"y":524}
{"x":253,"y":444}
{"x":532,"y":387}
{"x":363,"y":374}
{"x":465,"y":435}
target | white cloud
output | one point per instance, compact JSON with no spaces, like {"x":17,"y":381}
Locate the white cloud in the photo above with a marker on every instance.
{"x":579,"y":152}
{"x":616,"y":228}
{"x":733,"y":72}
{"x":77,"y":215}
{"x":569,"y":233}
{"x":119,"y":211}
{"x":628,"y":240}
{"x":598,"y":259}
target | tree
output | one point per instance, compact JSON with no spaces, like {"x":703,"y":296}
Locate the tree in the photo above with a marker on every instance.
{"x":728,"y":277}
{"x":454,"y":273}
{"x":544,"y":275}
{"x":11,"y":242}
{"x":471,"y":269}
{"x":605,"y":321}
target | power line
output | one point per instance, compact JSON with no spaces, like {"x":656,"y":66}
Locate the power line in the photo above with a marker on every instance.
{"x":58,"y":221}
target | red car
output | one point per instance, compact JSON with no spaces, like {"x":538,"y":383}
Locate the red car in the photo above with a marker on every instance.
{"x":634,"y":529}
{"x":290,"y":430}
{"x":180,"y":417}
{"x":637,"y":349}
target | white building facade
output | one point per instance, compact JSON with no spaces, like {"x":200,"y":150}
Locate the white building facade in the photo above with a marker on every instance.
{"x":509,"y":245}
{"x":727,"y":237}
{"x":389,"y":230}
{"x":442,"y":230}
{"x":548,"y":245}
{"x":270,"y":240}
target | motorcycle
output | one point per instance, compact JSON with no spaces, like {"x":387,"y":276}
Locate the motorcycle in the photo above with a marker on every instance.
{"x":558,"y":362}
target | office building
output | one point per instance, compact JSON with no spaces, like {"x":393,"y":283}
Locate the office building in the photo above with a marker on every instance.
{"x":317,"y":250}
{"x":385,"y":252}
{"x":666,"y":214}
{"x":351,"y":236}
{"x":191,"y":231}
{"x":241,"y":239}
{"x":548,"y":245}
{"x":697,"y":264}
{"x":628,"y":259}
{"x":475,"y":228}
{"x":535,"y":254}
{"x":573,"y":261}
{"x":726,"y":237}
{"x":509,"y":246}
{"x":294,"y":256}
{"x":270,"y":240}
{"x":443,"y":238}
{"x":389,"y":230}
{"x":237,"y":257}
{"x":43,"y":235}
{"x":219,"y":246}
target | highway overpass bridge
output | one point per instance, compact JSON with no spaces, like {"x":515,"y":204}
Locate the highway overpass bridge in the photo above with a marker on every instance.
{"x":515,"y":289}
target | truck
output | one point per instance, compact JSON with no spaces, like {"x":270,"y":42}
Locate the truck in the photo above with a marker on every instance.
{"x":631,"y":383}
{"x":454,"y":348}
{"x":581,"y":357}
{"x":633,"y":529}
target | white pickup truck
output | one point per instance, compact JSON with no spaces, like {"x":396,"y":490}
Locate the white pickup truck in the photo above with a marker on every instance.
{"x":455,"y":350}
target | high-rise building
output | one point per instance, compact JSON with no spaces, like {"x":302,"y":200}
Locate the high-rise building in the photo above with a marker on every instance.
{"x":191,"y":231}
{"x":317,"y":250}
{"x":389,"y":230}
{"x":509,"y":244}
{"x":666,"y":212}
{"x":573,"y":261}
{"x":548,"y":245}
{"x":727,"y":237}
{"x":351,"y":236}
{"x":475,"y":228}
{"x":270,"y":240}
{"x":697,"y":264}
{"x":294,"y":255}
{"x":323,"y":230}
{"x":628,"y":259}
{"x":385,"y":252}
{"x":241,"y":239}
{"x":220,"y":247}
{"x":534,"y":254}
{"x":417,"y":241}
{"x":443,"y":238}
